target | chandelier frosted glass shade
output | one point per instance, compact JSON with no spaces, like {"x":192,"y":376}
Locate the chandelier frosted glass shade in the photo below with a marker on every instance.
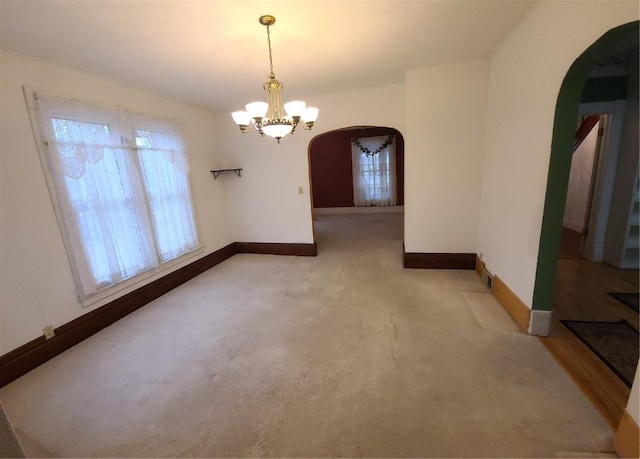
{"x":271,"y":117}
{"x":241,"y":118}
{"x":277,"y":130}
{"x":295,"y":107}
{"x":257,"y":109}
{"x":310,"y":115}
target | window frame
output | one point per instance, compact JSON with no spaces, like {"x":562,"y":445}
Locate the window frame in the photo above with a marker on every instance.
{"x":124,"y":120}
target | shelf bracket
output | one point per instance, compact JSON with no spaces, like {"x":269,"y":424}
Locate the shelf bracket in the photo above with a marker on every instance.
{"x":216,"y":173}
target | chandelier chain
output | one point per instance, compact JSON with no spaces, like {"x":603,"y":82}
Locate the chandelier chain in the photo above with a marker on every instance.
{"x":271,"y":75}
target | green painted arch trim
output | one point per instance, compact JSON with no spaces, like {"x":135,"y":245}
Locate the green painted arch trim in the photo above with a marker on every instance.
{"x":604,"y":89}
{"x":560,"y":161}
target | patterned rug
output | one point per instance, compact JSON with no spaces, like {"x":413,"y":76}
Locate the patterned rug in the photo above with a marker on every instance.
{"x":615,"y":343}
{"x":630,"y":300}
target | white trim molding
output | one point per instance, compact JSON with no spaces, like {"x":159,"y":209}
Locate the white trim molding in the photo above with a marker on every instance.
{"x":540,"y":323}
{"x":605,"y":173}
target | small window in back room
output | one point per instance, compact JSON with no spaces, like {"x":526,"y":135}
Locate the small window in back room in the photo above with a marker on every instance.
{"x":374,"y":171}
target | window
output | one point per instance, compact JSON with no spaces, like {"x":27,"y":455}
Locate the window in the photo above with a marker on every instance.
{"x":374,"y":171}
{"x":125,"y":205}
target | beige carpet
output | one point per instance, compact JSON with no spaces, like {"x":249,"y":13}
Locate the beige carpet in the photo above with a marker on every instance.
{"x":9,"y":445}
{"x":346,"y":354}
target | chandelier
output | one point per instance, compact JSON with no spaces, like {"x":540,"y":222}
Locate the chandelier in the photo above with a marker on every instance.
{"x":273,"y":118}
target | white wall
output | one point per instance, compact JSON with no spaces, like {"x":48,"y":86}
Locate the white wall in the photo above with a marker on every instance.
{"x":264,"y":204}
{"x":445,"y":119}
{"x":575,"y":211}
{"x":525,"y":77}
{"x":36,"y":284}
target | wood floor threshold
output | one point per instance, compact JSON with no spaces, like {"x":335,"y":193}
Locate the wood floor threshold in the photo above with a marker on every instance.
{"x":419,"y":260}
{"x":601,"y":386}
{"x":588,"y":376}
{"x":627,"y":438}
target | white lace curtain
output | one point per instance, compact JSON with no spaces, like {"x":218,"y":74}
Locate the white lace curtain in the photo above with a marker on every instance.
{"x":165,"y":170}
{"x":125,"y":208}
{"x":374,"y":171}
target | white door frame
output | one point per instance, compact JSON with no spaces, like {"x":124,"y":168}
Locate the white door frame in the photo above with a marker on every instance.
{"x":605,"y":174}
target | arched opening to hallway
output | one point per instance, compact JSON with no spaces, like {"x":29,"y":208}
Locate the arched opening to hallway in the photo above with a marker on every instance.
{"x":356,"y":179}
{"x":576,"y":287}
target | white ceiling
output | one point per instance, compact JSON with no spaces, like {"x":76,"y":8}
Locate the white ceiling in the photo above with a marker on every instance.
{"x":214,"y":53}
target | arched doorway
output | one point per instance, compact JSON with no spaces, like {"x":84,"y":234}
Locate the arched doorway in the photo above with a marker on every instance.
{"x":564,"y":127}
{"x":331,"y":176}
{"x":585,"y":364}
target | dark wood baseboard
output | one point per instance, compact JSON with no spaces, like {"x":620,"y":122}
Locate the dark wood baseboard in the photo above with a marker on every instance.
{"x":34,"y":353}
{"x":440,"y":260}
{"x":273,"y":248}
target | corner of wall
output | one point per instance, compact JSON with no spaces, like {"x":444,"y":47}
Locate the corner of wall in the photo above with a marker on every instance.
{"x":536,"y":323}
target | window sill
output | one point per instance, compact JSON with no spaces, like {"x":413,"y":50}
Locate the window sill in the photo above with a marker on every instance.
{"x":113,"y":292}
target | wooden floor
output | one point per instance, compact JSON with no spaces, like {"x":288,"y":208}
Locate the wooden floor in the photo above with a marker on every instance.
{"x":571,"y":244}
{"x":581,"y":294}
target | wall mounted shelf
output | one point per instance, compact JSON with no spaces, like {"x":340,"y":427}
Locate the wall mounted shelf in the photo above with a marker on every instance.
{"x":216,"y":173}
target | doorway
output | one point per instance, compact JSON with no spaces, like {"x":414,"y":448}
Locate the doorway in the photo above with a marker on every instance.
{"x":343,"y":213}
{"x":576,"y":288}
{"x":587,"y":150}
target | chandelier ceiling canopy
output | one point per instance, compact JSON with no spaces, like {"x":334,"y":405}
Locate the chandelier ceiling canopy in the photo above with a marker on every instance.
{"x":272,"y":117}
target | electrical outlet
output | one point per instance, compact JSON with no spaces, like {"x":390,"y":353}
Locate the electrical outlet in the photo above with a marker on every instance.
{"x":48,"y":332}
{"x":300,"y":190}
